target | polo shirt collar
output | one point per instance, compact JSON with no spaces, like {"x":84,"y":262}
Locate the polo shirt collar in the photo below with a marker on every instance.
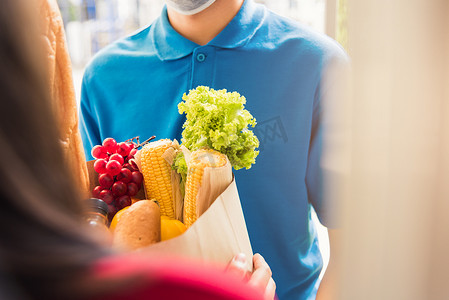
{"x":242,"y":27}
{"x":236,"y":34}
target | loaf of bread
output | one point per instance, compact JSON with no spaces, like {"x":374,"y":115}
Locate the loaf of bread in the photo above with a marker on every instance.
{"x":139,"y":226}
{"x":62,"y":91}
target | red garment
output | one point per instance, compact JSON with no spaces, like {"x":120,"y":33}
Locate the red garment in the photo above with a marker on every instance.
{"x":169,"y":278}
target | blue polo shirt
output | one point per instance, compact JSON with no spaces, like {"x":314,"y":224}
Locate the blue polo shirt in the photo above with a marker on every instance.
{"x":132,"y":88}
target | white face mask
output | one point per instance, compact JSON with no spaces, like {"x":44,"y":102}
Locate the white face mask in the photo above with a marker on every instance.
{"x":189,"y":7}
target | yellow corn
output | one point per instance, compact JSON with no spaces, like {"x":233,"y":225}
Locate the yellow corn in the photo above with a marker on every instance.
{"x":157,"y":175}
{"x":200,"y":160}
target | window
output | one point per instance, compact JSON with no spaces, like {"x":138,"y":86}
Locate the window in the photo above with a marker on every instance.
{"x":92,"y":24}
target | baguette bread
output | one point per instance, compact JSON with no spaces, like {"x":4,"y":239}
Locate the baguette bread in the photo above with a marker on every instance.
{"x":139,"y":226}
{"x":62,"y":92}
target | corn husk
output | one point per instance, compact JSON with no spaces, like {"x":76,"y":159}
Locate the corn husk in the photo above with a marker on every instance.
{"x":215,"y":180}
{"x":169,"y":156}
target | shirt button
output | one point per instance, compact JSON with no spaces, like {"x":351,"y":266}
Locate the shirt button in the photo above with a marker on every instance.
{"x":200,"y":57}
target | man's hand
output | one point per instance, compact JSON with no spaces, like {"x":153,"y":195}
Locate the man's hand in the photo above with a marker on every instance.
{"x":260,"y":278}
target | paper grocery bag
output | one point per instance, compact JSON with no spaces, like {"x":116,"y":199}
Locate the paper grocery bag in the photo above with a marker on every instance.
{"x":217,"y":236}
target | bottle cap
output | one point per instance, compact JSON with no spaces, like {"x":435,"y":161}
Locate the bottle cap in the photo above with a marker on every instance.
{"x":97,"y":205}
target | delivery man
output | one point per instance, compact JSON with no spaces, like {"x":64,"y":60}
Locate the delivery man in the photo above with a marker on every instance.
{"x":132,"y":88}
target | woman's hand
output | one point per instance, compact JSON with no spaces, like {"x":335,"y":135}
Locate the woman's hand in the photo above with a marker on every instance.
{"x":260,"y":278}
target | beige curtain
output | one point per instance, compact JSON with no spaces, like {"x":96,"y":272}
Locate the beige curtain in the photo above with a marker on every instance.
{"x":330,"y":18}
{"x":396,"y":186}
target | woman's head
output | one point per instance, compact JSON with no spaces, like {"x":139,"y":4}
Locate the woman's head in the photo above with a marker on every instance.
{"x":31,"y":162}
{"x":40,"y":233}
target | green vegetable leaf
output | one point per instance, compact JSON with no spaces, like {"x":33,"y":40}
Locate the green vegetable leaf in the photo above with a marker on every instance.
{"x":180,"y":166}
{"x":217,"y":119}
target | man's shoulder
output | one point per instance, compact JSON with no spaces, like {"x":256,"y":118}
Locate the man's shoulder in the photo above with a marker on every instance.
{"x":116,"y":54}
{"x":281,"y":31}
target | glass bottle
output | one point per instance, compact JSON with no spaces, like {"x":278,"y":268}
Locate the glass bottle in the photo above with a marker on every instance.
{"x":96,"y":213}
{"x":96,"y":217}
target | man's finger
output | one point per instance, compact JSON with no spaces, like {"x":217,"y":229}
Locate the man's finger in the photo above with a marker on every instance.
{"x":238,"y":266}
{"x":270,"y":291}
{"x":262,"y":273}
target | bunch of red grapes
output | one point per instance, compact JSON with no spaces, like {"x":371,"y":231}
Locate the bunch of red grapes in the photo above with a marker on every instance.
{"x":118,"y":175}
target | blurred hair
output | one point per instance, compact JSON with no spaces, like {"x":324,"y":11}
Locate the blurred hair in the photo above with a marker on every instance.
{"x":42,"y":246}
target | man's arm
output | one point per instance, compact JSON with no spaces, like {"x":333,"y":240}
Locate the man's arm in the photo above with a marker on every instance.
{"x":329,"y":284}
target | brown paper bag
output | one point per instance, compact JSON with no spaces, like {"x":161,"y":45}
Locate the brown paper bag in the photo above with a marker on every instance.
{"x":218,"y":234}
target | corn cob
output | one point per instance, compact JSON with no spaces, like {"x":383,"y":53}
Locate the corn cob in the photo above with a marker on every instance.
{"x":199,"y":160}
{"x":157,"y":175}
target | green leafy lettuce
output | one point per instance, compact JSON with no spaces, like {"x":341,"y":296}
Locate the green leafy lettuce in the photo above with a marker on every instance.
{"x":217,"y":119}
{"x":180,"y":166}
